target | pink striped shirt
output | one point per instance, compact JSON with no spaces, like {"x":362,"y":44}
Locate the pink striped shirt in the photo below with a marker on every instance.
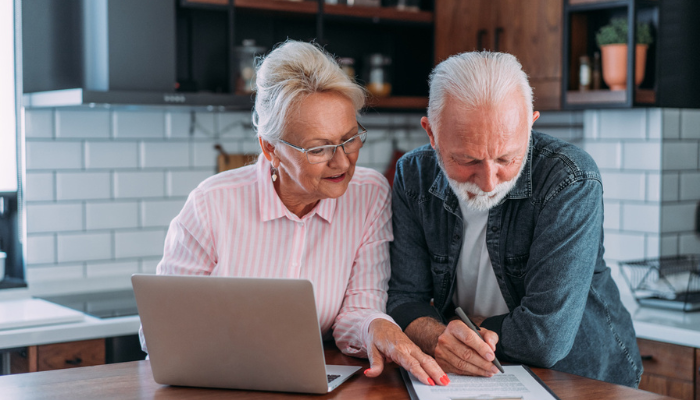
{"x":234,"y":224}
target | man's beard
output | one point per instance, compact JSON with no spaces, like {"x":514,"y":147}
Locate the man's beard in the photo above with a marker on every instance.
{"x":480,"y":200}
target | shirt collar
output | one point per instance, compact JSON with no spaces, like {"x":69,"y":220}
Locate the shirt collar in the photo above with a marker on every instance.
{"x":271,"y":207}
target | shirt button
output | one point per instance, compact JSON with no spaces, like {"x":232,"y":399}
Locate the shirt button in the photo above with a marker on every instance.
{"x":301,"y":224}
{"x":494,"y":229}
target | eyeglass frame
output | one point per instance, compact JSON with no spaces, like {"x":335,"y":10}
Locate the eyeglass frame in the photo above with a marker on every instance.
{"x":335,"y":146}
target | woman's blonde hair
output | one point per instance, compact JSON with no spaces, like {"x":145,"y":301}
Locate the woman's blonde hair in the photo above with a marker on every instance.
{"x":290,"y":73}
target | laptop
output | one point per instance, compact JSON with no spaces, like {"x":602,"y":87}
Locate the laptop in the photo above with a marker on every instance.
{"x":235,"y":333}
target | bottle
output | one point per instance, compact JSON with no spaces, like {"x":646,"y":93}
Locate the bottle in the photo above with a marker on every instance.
{"x":584,"y":76}
{"x":378,"y":82}
{"x":596,"y":71}
{"x":245,"y":72}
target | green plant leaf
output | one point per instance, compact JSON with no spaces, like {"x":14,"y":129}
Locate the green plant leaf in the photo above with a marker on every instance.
{"x":616,"y":33}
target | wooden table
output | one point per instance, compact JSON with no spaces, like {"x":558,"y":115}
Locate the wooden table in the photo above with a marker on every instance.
{"x":133,"y":380}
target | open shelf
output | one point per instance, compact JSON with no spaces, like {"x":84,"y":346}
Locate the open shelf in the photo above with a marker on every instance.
{"x":398,"y":102}
{"x":297,"y":7}
{"x":575,"y":97}
{"x":375,"y":14}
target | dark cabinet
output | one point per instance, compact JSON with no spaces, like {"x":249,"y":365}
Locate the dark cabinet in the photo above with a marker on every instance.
{"x":530,"y":30}
{"x":670,"y":78}
{"x":209,"y":30}
{"x":669,"y":369}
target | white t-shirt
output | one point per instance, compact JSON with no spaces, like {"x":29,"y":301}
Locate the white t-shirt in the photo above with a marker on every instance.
{"x":477,"y":290}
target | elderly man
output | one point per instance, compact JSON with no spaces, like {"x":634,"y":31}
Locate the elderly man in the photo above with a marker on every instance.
{"x":507,"y":224}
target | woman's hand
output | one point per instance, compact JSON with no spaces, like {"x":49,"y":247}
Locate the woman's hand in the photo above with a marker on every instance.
{"x":390,"y":343}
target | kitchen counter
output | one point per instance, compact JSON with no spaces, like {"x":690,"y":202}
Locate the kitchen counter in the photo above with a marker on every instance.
{"x":89,"y":328}
{"x":649,"y":323}
{"x":668,"y":326}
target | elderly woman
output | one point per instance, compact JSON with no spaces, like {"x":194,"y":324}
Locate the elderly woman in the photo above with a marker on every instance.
{"x":304,"y":210}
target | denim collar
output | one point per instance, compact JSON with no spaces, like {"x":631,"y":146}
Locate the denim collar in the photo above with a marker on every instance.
{"x":522,"y":189}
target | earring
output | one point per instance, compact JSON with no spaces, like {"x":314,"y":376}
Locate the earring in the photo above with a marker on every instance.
{"x":274,"y":172}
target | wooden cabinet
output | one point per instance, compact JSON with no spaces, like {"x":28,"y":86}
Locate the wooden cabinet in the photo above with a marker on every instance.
{"x":58,"y":356}
{"x":530,"y":30}
{"x":669,"y":369}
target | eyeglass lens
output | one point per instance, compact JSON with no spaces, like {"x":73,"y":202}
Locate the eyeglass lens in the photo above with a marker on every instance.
{"x":326,"y":153}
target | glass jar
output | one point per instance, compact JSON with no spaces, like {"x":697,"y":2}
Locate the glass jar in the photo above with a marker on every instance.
{"x":245,"y":66}
{"x":378,"y":79}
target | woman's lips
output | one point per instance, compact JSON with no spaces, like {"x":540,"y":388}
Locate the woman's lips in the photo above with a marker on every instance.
{"x":335,"y":178}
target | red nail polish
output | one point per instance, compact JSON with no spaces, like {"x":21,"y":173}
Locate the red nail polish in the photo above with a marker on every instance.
{"x":431,"y":381}
{"x":445,"y":380}
{"x":367,"y":370}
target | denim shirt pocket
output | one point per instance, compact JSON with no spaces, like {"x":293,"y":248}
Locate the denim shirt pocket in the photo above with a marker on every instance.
{"x":515,"y":269}
{"x":440,"y":268}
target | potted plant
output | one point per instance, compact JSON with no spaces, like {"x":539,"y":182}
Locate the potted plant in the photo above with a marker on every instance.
{"x":612,"y":40}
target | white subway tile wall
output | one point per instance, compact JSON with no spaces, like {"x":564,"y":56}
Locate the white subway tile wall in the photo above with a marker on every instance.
{"x":644,"y":156}
{"x":83,"y":185}
{"x":46,"y":249}
{"x":623,"y":124}
{"x":671,"y":123}
{"x":690,"y":124}
{"x":39,"y":186}
{"x":648,"y":159}
{"x":74,"y":247}
{"x":82,"y":124}
{"x":103,"y":188}
{"x":111,"y":155}
{"x":39,"y":123}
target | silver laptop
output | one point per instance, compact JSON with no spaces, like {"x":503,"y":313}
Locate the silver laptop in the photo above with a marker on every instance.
{"x":235,"y":333}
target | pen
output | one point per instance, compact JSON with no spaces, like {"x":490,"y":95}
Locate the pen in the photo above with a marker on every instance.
{"x":468,"y":322}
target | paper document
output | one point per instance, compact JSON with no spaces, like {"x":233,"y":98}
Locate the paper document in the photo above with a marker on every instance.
{"x":516,"y":383}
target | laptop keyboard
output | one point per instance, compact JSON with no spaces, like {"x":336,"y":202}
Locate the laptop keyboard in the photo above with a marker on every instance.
{"x":331,"y":378}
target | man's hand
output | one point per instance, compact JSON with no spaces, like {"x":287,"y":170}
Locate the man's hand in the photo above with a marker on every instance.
{"x":459,"y":350}
{"x":388,"y":341}
{"x":456,"y":348}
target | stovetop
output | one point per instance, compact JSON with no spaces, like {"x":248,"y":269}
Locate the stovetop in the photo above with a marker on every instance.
{"x":112,"y":304}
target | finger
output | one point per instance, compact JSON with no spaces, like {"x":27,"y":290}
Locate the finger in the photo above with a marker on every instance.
{"x":468,"y":363}
{"x":472,"y":340}
{"x":412,"y":365}
{"x":431,"y":367}
{"x":376,"y":363}
{"x":490,"y":337}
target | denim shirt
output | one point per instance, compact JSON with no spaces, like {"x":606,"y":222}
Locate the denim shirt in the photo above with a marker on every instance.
{"x":545,"y":240}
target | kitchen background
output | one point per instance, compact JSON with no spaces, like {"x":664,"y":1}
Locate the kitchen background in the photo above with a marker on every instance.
{"x":102,"y":186}
{"x":122,"y":102}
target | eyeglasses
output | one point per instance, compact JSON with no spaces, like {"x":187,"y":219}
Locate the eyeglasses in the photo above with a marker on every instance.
{"x":317,"y":155}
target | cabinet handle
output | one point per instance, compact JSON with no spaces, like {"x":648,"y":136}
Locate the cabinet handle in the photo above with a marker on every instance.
{"x":497,"y":39}
{"x":75,"y":361}
{"x":480,"y":39}
{"x":647,"y":358}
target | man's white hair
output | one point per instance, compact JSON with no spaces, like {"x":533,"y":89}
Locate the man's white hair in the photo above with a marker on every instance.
{"x":476,"y":79}
{"x":290,"y":73}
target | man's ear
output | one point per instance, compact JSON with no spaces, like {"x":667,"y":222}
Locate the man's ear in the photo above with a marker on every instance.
{"x":535,"y":117}
{"x":268,"y":149}
{"x":425,"y":123}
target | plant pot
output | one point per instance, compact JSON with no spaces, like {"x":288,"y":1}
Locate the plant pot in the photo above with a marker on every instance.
{"x":615,"y":65}
{"x":640,"y":63}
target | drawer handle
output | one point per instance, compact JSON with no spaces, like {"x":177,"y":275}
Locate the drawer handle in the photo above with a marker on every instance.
{"x":647,"y":358}
{"x":75,"y":361}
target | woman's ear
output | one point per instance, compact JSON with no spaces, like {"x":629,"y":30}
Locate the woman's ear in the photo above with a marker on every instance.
{"x":268,"y":149}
